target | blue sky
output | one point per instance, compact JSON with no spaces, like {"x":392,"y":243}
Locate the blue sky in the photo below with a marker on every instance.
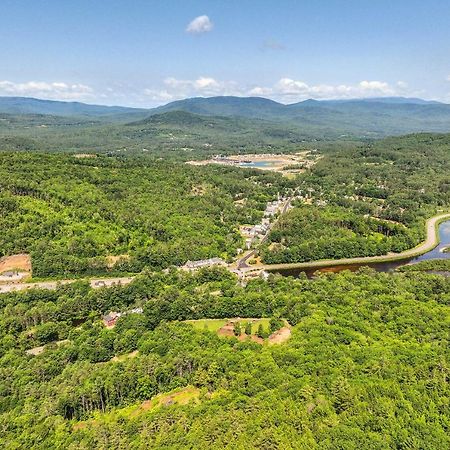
{"x":144,"y":52}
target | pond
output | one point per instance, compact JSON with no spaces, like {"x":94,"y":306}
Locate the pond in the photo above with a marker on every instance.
{"x":260,"y":164}
{"x":388,"y":266}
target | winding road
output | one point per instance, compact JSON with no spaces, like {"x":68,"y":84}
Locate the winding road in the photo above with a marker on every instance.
{"x":428,"y":244}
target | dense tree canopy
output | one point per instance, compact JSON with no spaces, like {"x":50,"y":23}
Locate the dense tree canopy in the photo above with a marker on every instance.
{"x":366,"y":366}
{"x":365,"y":201}
{"x":71,"y":213}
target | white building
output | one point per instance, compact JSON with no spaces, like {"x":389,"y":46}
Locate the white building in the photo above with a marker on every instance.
{"x":193,"y":265}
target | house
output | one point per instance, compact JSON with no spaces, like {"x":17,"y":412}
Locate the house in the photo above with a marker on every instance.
{"x":111,"y":318}
{"x":248,"y":243}
{"x":211,"y":262}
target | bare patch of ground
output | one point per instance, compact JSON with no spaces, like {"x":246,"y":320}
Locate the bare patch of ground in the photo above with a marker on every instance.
{"x":85,"y":155}
{"x":280,"y":336}
{"x":38,"y":350}
{"x":21,"y":262}
{"x":124,"y":357}
{"x":180,"y":397}
{"x":15,"y":267}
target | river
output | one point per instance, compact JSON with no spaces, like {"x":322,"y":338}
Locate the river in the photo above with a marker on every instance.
{"x":387,"y":266}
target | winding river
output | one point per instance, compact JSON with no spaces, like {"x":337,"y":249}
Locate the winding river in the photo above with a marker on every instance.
{"x":383,"y":266}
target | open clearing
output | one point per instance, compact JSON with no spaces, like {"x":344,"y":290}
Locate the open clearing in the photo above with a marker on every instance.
{"x":217,"y":324}
{"x":20,"y":263}
{"x":280,"y":336}
{"x":111,"y":261}
{"x":15,"y":267}
{"x":183,"y":396}
{"x":179,"y":397}
{"x":287,"y":164}
{"x":121,"y":358}
{"x":225,"y":327}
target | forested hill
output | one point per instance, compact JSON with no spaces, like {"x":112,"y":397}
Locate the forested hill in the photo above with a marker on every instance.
{"x":361,"y":117}
{"x":26,"y":105}
{"x":310,"y":119}
{"x":366,"y":366}
{"x":73,"y":213}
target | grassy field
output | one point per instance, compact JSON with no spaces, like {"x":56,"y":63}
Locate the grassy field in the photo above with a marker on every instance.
{"x":216,"y":324}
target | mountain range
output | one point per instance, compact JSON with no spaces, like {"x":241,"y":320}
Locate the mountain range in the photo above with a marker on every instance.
{"x":361,"y":117}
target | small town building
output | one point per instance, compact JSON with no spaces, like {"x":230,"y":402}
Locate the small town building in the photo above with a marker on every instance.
{"x":211,"y":262}
{"x":111,"y":318}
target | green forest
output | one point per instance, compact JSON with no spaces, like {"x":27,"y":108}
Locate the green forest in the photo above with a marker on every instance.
{"x":367,"y":365}
{"x":71,"y":213}
{"x":224,"y":225}
{"x":364,"y":201}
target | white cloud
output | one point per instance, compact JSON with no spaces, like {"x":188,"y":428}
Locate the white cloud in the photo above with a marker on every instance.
{"x":288,"y":89}
{"x":206,"y":83}
{"x":175,"y":89}
{"x":285,"y":90}
{"x":52,"y":91}
{"x":201,"y":24}
{"x":259,"y":91}
{"x":448,"y":78}
{"x":376,"y":88}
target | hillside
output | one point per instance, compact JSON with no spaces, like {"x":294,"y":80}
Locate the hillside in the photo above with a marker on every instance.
{"x":366,"y":366}
{"x":372,"y":117}
{"x":25,"y":105}
{"x":376,"y":117}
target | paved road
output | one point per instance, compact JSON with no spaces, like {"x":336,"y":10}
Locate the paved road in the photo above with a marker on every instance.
{"x":430,"y":242}
{"x":242,"y":263}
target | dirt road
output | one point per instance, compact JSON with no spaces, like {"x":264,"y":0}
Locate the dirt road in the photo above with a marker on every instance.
{"x":52,"y":285}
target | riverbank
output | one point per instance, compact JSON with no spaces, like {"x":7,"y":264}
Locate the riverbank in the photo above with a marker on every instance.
{"x":431,"y":241}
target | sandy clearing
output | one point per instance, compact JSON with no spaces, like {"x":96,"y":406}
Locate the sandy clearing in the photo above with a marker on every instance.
{"x":21,"y":262}
{"x":280,"y":336}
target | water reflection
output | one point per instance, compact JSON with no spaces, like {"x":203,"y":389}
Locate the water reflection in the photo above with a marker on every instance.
{"x":436,"y":253}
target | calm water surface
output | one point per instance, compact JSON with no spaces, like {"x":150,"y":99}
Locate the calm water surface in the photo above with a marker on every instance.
{"x":260,"y":163}
{"x":436,"y":253}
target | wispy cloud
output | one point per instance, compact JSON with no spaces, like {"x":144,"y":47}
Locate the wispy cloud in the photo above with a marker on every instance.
{"x":272,"y":44}
{"x":53,"y":91}
{"x":201,"y":24}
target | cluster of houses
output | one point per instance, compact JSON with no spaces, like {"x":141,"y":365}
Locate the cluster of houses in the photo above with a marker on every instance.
{"x":202,"y":263}
{"x":253,"y":233}
{"x":112,"y":317}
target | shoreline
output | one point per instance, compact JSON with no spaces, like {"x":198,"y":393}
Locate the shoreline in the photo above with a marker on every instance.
{"x":431,"y":242}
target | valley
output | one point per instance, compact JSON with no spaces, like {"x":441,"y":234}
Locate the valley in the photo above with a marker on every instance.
{"x":149,"y":289}
{"x":225,"y":225}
